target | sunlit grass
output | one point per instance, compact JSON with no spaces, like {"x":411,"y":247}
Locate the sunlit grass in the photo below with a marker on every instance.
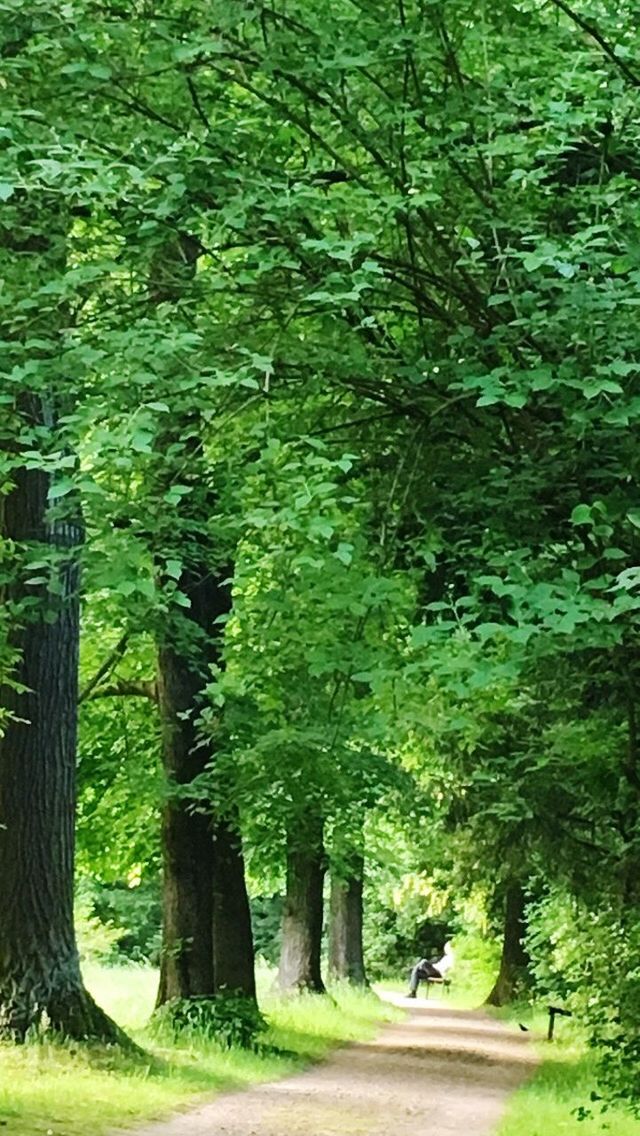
{"x":127,"y":993}
{"x":551,"y":1101}
{"x":74,"y":1090}
{"x":561,"y":1086}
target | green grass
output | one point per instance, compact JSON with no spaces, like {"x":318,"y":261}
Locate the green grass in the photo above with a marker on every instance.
{"x":560,"y":1087}
{"x":49,"y":1089}
{"x":551,"y":1100}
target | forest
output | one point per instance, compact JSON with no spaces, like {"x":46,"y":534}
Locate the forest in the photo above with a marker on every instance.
{"x":319,"y":508}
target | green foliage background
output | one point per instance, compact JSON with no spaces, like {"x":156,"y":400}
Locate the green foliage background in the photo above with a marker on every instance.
{"x":346,"y":295}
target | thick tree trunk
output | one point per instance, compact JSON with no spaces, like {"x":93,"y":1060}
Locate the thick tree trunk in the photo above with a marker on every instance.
{"x":303,"y":909}
{"x":514,"y":961}
{"x":233,"y":956}
{"x":207,"y":940}
{"x":346,"y":953}
{"x":40,"y":980}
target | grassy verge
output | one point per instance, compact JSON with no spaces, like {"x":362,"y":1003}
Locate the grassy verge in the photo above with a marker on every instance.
{"x":48,"y":1089}
{"x":560,"y":1088}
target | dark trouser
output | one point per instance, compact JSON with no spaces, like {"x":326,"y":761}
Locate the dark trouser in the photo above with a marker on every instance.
{"x":422,"y":971}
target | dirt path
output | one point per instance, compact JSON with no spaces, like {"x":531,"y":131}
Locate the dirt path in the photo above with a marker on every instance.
{"x":440,"y":1072}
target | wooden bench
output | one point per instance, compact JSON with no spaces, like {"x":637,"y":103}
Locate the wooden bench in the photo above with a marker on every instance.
{"x":444,"y":982}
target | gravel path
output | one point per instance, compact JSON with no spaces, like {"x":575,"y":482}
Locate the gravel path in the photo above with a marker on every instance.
{"x":440,"y":1072}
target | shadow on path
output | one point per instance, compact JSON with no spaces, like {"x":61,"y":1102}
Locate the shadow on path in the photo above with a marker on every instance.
{"x":439,"y":1072}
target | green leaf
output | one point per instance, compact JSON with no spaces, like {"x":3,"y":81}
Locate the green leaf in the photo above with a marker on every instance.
{"x":628,"y":579}
{"x":141,"y":441}
{"x":344,"y":553}
{"x":60,"y":488}
{"x":173,"y":568}
{"x":174,"y":495}
{"x":581,"y":515}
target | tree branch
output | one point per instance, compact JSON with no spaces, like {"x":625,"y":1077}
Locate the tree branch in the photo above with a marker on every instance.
{"x":127,"y":688}
{"x":195,"y":99}
{"x":592,"y":31}
{"x":109,"y":663}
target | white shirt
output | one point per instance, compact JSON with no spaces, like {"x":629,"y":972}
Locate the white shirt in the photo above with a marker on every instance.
{"x":446,"y":962}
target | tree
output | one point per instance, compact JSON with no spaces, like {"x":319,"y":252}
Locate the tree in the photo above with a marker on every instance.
{"x":41,"y":527}
{"x":302,"y":920}
{"x":346,"y":948}
{"x":39,"y":967}
{"x":207,"y":927}
{"x":397,"y":278}
{"x":514,"y":960}
{"x":207,"y":942}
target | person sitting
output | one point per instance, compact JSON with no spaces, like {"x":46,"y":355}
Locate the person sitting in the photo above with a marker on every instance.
{"x":431,"y":969}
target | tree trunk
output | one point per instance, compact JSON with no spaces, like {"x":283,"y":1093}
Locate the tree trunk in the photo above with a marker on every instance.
{"x":514,"y":962}
{"x":207,"y":936}
{"x":346,"y":954}
{"x":233,"y":956}
{"x":40,"y":980}
{"x":303,"y":909}
{"x":186,"y":967}
{"x":204,"y":884}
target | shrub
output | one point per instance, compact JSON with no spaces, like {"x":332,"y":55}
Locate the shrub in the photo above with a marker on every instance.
{"x":97,"y":939}
{"x":228,"y":1019}
{"x":588,"y":959}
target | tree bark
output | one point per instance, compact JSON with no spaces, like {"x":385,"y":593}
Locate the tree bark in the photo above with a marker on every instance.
{"x":303,"y":909}
{"x":514,"y":961}
{"x":186,"y":967}
{"x":233,"y":954}
{"x":204,"y":882}
{"x":346,"y":952}
{"x":40,"y":982}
